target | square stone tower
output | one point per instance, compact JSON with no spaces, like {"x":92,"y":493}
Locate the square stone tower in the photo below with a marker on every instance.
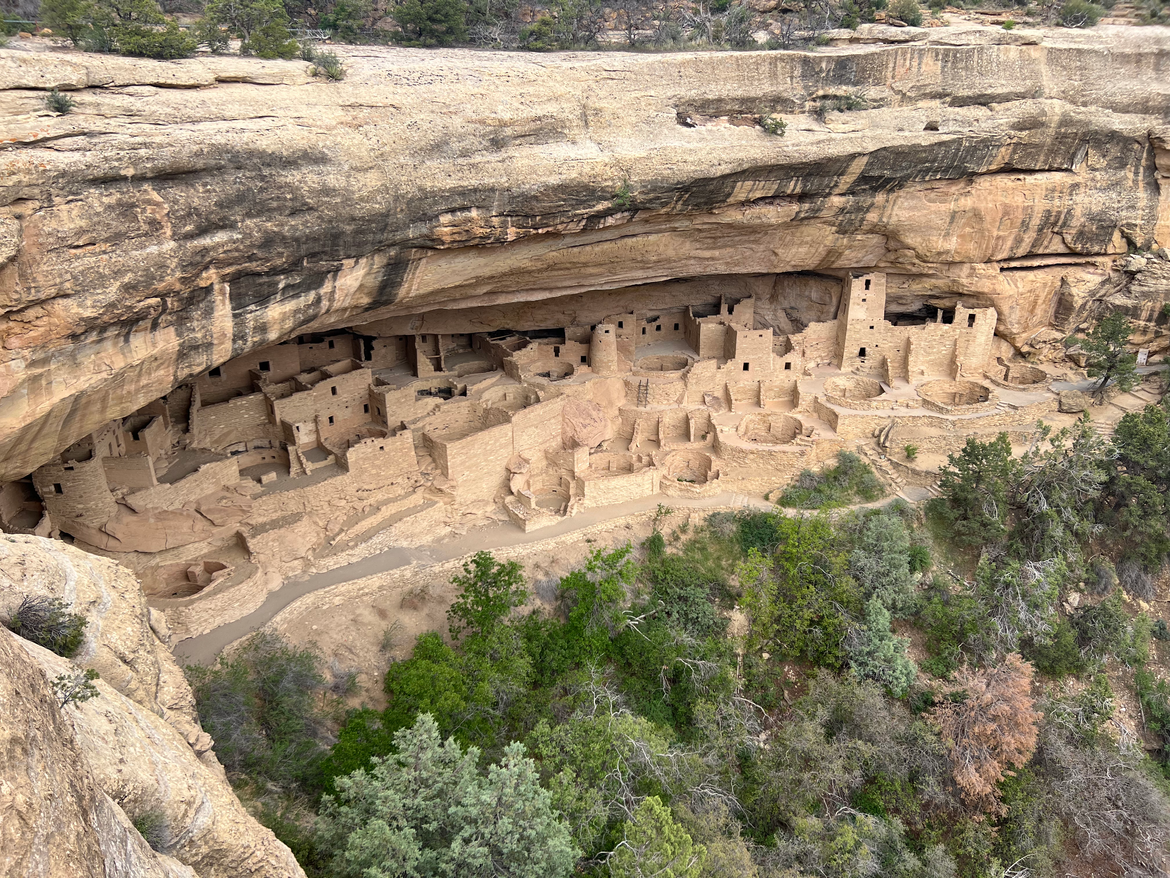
{"x":861,"y":319}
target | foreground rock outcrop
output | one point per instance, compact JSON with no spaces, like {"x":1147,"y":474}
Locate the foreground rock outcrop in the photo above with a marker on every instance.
{"x":188,"y":212}
{"x":74,"y":778}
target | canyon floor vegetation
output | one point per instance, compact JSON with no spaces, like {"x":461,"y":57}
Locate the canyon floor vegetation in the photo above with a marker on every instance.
{"x":280,"y":28}
{"x":893,"y":690}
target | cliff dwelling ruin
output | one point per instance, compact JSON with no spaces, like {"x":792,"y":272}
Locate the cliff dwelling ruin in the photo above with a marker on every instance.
{"x":327,"y":437}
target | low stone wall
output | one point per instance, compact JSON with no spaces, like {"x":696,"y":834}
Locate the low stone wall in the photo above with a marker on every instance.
{"x":610,"y":490}
{"x":208,"y":479}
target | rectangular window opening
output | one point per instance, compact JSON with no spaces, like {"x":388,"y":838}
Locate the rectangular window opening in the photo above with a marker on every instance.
{"x":134,"y":435}
{"x":265,"y":366}
{"x":621,"y":324}
{"x":676,"y":327}
{"x":970,"y":320}
{"x":746,"y":366}
{"x":867,"y":284}
{"x":57,"y":488}
{"x":643,"y":330}
{"x":366,"y":408}
{"x":333,"y":391}
{"x":658,"y":327}
{"x":556,"y":351}
{"x":584,"y":359}
{"x":787,"y":367}
{"x":331,"y":420}
{"x":861,"y":353}
{"x":330,"y":344}
{"x":215,"y":373}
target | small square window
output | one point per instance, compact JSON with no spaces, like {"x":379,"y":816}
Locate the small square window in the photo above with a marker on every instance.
{"x":265,"y":366}
{"x":746,"y":366}
{"x":333,"y":391}
{"x":215,"y":373}
{"x":676,"y":327}
{"x":658,"y":327}
{"x":787,"y":367}
{"x":621,"y":325}
{"x":57,"y":488}
{"x":423,"y":337}
{"x":871,"y":327}
{"x":331,"y":420}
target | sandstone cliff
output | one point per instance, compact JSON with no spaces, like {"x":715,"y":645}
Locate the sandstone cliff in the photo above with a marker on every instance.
{"x":73,"y":778}
{"x":188,"y":212}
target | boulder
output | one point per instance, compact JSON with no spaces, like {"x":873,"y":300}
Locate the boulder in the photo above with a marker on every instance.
{"x":1073,"y":401}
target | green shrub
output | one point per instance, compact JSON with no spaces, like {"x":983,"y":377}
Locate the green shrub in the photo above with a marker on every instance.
{"x":911,"y":452}
{"x":540,"y":36}
{"x":1106,"y":630}
{"x":850,"y":480}
{"x":59,"y":103}
{"x":328,"y":65}
{"x":264,"y":706}
{"x":273,"y":40}
{"x":1009,"y":24}
{"x":957,"y":626}
{"x":149,"y":41}
{"x":47,"y":622}
{"x":1059,"y":655}
{"x":1079,"y":13}
{"x":773,"y":124}
{"x":919,"y":558}
{"x":845,"y":103}
{"x":76,"y":687}
{"x":875,"y":653}
{"x":907,"y":11}
{"x":153,"y":827}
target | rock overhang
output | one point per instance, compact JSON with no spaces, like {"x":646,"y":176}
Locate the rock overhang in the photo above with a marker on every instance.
{"x":158,"y":232}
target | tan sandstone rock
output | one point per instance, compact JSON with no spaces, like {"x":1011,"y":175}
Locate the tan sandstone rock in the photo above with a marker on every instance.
{"x":448,"y":189}
{"x":136,"y":747}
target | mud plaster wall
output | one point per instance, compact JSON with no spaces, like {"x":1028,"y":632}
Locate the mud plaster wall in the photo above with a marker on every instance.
{"x":618,"y":489}
{"x":208,"y":479}
{"x":538,"y":427}
{"x":750,"y":351}
{"x":347,"y":406}
{"x":236,"y":375}
{"x":153,"y":439}
{"x":238,"y":420}
{"x":381,"y":460}
{"x":84,"y":492}
{"x":135,"y":471}
{"x":314,"y":355}
{"x":817,"y":344}
{"x":659,"y":391}
{"x":478,"y":463}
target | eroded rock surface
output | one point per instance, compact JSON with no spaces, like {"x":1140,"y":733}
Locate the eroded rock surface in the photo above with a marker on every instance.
{"x":73,"y":778}
{"x":184,"y":214}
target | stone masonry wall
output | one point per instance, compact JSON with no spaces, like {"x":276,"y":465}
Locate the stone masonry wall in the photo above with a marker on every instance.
{"x":208,"y":479}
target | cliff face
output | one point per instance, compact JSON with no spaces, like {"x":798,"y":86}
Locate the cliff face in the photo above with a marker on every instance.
{"x":188,"y":212}
{"x":73,"y":778}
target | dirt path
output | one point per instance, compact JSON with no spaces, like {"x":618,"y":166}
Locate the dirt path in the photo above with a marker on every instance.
{"x":204,"y":649}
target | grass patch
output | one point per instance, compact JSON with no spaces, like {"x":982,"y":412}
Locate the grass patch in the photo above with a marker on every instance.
{"x":850,"y":480}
